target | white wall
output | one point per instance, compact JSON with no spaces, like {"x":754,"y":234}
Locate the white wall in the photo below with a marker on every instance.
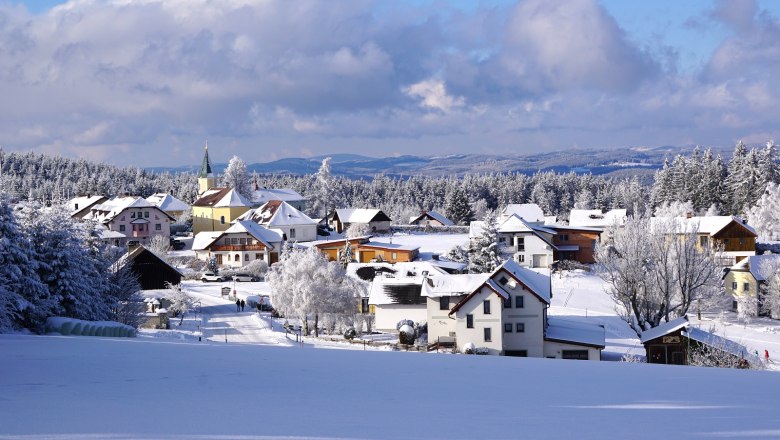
{"x":533,"y":246}
{"x":439,"y":323}
{"x":302,"y":232}
{"x":532,"y":315}
{"x":554,"y":350}
{"x":388,"y":315}
{"x":476,"y":335}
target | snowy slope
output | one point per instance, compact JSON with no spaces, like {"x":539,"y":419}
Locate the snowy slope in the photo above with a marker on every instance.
{"x":76,"y":387}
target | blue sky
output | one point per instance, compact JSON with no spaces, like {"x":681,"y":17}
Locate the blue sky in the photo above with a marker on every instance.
{"x":147,"y":83}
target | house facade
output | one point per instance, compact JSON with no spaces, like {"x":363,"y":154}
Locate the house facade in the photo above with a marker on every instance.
{"x":745,"y":280}
{"x":276,"y":214}
{"x":365,"y":251}
{"x":376,"y":220}
{"x":575,"y":244}
{"x":130,"y":219}
{"x":217,"y":208}
{"x":442,"y":293}
{"x":730,"y":237}
{"x":80,"y":206}
{"x":530,"y":245}
{"x":239,"y":245}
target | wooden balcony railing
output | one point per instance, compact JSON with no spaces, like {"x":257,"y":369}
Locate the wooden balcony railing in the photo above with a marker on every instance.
{"x":237,"y":247}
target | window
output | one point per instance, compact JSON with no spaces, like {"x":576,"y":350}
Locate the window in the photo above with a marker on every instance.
{"x":238,"y":257}
{"x":444,"y":303}
{"x":157,"y":227}
{"x":364,"y":308}
{"x":521,"y":258}
{"x":564,"y":237}
{"x":394,"y":256}
{"x":222,"y":219}
{"x":746,"y":287}
{"x":734,"y":285}
{"x":486,"y":307}
{"x":234,"y":240}
{"x":292,"y":232}
{"x":258,"y":256}
{"x":242,"y":241}
{"x":507,"y":302}
{"x":581,"y":355}
{"x":246,"y":257}
{"x":228,"y":257}
{"x":519,"y":301}
{"x":520,"y":327}
{"x":469,"y":321}
{"x":503,"y":280}
{"x":146,"y":214}
{"x":704,"y":241}
{"x":488,"y":335}
{"x":501,"y":239}
{"x":132,"y":215}
{"x":520,"y":244}
{"x":121,"y":228}
{"x":742,"y":241}
{"x":508,"y":328}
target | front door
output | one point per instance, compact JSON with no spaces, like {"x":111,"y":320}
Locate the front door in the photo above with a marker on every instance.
{"x":219,"y":259}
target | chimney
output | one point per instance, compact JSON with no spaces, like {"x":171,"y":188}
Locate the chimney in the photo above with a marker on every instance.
{"x":688,"y":214}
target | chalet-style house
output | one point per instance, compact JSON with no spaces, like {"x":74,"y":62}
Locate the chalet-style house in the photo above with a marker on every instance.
{"x":170,"y":204}
{"x":261,"y":196}
{"x":276,"y":214}
{"x":529,"y":244}
{"x":731,"y":237}
{"x":152,"y":271}
{"x":217,"y":208}
{"x":575,"y":243}
{"x":80,"y":206}
{"x":507,"y":315}
{"x":376,"y":220}
{"x":430,"y":218}
{"x":242,"y":243}
{"x":365,"y":251}
{"x":130,"y":219}
{"x":747,"y":278}
{"x":672,"y":342}
{"x":595,"y":218}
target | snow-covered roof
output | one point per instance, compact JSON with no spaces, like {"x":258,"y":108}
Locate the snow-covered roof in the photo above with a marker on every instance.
{"x":389,"y":246}
{"x":452,"y":285}
{"x":109,"y":209}
{"x":266,"y":236}
{"x":530,"y":212}
{"x":78,"y":204}
{"x":710,"y":225}
{"x":202,"y":240}
{"x":277,"y":213}
{"x":720,"y":343}
{"x":760,"y":266}
{"x":265,"y":195}
{"x":357,"y":215}
{"x":514,"y":223}
{"x":167,"y":202}
{"x":385,"y":290}
{"x":569,"y":330}
{"x":538,"y":283}
{"x":475,"y":228}
{"x":594,"y":218}
{"x":222,"y":198}
{"x":433,"y":215}
{"x":447,"y":265}
{"x":664,"y":329}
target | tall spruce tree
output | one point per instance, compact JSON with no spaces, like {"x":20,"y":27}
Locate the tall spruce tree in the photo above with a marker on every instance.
{"x":458,"y":207}
{"x":484,"y":255}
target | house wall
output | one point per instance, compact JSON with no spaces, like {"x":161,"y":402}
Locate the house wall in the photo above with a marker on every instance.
{"x":740,"y":278}
{"x":388,"y":315}
{"x":206,"y":183}
{"x":533,"y":245}
{"x":585,"y":240}
{"x":425,"y":221}
{"x":209,"y":219}
{"x":365,"y":254}
{"x":439,"y":323}
{"x":554,"y":350}
{"x":227,"y":253}
{"x":303,"y":233}
{"x":152,"y":214}
{"x":532,"y":314}
{"x":476,"y":335}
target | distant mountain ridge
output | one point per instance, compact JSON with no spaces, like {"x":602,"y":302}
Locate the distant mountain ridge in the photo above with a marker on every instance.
{"x":615,"y":162}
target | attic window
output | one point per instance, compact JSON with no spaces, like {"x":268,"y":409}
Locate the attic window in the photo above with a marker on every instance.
{"x":503,"y":280}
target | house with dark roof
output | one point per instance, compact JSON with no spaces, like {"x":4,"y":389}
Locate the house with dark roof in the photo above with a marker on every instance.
{"x":430,"y":218}
{"x":506,"y":315}
{"x":376,"y":220}
{"x":152,"y":271}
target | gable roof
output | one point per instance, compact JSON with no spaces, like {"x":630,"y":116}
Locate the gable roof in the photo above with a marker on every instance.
{"x":265,"y":195}
{"x":711,"y":225}
{"x":664,"y":329}
{"x":222,"y":198}
{"x":261,"y":234}
{"x":203,"y":240}
{"x":595,"y":218}
{"x":360,"y":215}
{"x":570,"y":331}
{"x":534,"y":282}
{"x":433,"y":215}
{"x":404,"y":291}
{"x":760,"y":266}
{"x":83,"y":203}
{"x":135,"y":253}
{"x":277,"y":213}
{"x":452,"y":285}
{"x":530,"y":212}
{"x":108,"y":210}
{"x":167,"y":202}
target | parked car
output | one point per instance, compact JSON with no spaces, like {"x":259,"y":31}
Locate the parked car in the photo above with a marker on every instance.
{"x":211,"y":276}
{"x":245,"y":277}
{"x":177,"y":245}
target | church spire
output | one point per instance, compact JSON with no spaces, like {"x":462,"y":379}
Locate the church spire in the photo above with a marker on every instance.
{"x":205,"y":167}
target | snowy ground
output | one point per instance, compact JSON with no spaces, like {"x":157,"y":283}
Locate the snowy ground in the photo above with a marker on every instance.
{"x":85,"y":387}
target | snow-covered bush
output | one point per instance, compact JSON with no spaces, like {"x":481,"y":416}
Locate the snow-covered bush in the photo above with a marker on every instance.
{"x":469,"y":348}
{"x":358,"y":230}
{"x":350,"y":333}
{"x":406,"y":335}
{"x":482,"y":351}
{"x":404,"y":322}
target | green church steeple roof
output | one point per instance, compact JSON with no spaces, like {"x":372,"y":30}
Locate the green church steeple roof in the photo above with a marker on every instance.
{"x":205,"y":167}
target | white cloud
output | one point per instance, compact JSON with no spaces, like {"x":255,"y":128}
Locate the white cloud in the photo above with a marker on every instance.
{"x":433,"y":95}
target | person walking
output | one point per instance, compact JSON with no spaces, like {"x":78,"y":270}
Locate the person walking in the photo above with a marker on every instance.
{"x":243,"y":304}
{"x":766,"y":356}
{"x":238,"y":305}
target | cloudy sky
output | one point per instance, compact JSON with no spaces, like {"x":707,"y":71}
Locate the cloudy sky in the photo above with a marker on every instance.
{"x":147,"y":82}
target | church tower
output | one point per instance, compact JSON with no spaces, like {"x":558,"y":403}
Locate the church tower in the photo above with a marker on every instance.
{"x":206,"y":179}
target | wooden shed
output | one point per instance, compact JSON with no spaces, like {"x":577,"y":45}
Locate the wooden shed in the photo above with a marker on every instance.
{"x":151,"y":270}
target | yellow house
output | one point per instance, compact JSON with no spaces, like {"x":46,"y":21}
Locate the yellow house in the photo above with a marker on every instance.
{"x":746,"y":278}
{"x":217,"y":208}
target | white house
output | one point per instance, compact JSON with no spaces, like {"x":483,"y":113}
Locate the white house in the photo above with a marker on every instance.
{"x":394,"y":299}
{"x":507,"y":315}
{"x":133,"y":218}
{"x":276,"y":214}
{"x":442,"y":292}
{"x":80,"y":206}
{"x":529,"y":244}
{"x":430,"y":218}
{"x":242,"y":243}
{"x":594,"y":218}
{"x":530,"y":212}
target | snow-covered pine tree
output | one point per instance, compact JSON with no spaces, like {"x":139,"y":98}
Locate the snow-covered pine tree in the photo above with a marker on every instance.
{"x":765,"y":214}
{"x":346,"y":256}
{"x":484,"y":255}
{"x":737,"y":191}
{"x":237,"y":177}
{"x":325,"y":194}
{"x":458,"y":207}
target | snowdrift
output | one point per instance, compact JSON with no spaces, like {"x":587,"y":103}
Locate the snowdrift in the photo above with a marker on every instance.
{"x":77,"y":327}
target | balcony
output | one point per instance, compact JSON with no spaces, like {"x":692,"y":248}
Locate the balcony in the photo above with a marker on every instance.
{"x":237,"y":247}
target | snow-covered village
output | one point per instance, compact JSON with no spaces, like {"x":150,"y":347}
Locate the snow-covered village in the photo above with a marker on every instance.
{"x":373,"y":220}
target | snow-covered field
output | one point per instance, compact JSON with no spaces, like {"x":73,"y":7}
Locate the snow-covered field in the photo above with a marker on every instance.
{"x":81,"y":387}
